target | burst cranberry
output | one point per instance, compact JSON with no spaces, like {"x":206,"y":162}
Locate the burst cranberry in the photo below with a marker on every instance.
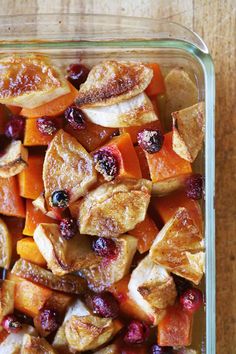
{"x":77,"y":74}
{"x":68,"y":228}
{"x":156,"y":349}
{"x":103,"y":304}
{"x":60,"y":199}
{"x":191,"y":300}
{"x":137,"y":332}
{"x":49,"y":319}
{"x":181,"y":284}
{"x":194,"y":186}
{"x":46,"y":126}
{"x":15,"y":128}
{"x":150,"y":140}
{"x":105,"y":247}
{"x":75,"y":118}
{"x":106,"y":163}
{"x":11,"y":324}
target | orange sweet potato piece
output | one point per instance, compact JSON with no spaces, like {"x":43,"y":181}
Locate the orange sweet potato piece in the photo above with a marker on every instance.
{"x":10,"y":201}
{"x":30,"y":179}
{"x":92,"y":136}
{"x":33,"y":218}
{"x":33,"y":137}
{"x":27,"y":249}
{"x":133,"y":131}
{"x":157,"y":84}
{"x":142,"y":162}
{"x":53,"y":108}
{"x":146,"y":231}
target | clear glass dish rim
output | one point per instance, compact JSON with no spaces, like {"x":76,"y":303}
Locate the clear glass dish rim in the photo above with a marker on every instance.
{"x":190,"y":43}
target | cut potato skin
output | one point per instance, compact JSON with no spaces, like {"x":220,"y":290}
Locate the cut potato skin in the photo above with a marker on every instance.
{"x":5,"y":246}
{"x":114,"y":207}
{"x":14,"y":159}
{"x":67,"y":166}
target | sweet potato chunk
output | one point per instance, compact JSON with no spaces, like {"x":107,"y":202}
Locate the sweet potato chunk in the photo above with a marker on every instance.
{"x":34,"y":217}
{"x":27,"y":249}
{"x":31,"y":179}
{"x":33,"y":137}
{"x":10,"y":201}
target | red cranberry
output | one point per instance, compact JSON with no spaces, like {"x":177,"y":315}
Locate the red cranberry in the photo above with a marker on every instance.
{"x":191,"y":300}
{"x":150,"y":140}
{"x":136,"y":333}
{"x":68,"y":228}
{"x":194,"y":186}
{"x":157,"y":349}
{"x":49,"y":319}
{"x":46,"y":126}
{"x":75,"y":118}
{"x":11,"y":324}
{"x":105,"y":247}
{"x":106,"y":163}
{"x":181,"y":284}
{"x":15,"y":127}
{"x":60,"y":199}
{"x":77,"y":74}
{"x":103,"y":304}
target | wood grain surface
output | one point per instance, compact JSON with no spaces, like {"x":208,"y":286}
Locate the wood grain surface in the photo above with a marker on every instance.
{"x":215,"y":21}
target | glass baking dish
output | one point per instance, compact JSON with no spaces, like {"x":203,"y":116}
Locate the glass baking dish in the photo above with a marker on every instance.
{"x":92,"y":38}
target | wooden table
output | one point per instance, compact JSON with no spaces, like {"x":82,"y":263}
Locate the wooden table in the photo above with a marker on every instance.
{"x":215,"y":21}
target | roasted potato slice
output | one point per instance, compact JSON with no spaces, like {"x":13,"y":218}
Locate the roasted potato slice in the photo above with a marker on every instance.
{"x":68,"y":283}
{"x":64,"y":256}
{"x":109,"y":271}
{"x":13,"y":342}
{"x":114,"y":207}
{"x":36,"y":345}
{"x":14,"y":159}
{"x":111,"y":82}
{"x":5,"y":246}
{"x":188,"y":131}
{"x":137,"y":110}
{"x":152,"y":288}
{"x":179,"y":247}
{"x":67,"y":166}
{"x":7,"y":291}
{"x":30,"y":81}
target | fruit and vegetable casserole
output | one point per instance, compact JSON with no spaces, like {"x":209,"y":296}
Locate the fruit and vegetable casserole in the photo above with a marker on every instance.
{"x":101,"y":231}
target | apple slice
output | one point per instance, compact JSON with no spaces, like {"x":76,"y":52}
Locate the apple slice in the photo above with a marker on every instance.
{"x":179,"y":247}
{"x":14,"y":160}
{"x":13,"y":342}
{"x":5,"y":246}
{"x":7,"y":289}
{"x":36,"y":345}
{"x":188,"y":131}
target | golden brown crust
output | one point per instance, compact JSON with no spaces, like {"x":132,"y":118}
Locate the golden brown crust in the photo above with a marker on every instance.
{"x":36,"y":345}
{"x":14,"y":159}
{"x":112,"y":82}
{"x":7,"y":289}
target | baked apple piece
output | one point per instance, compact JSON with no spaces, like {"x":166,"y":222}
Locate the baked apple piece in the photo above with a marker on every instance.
{"x":179,"y":247}
{"x":111,"y":82}
{"x":30,"y":81}
{"x":14,"y":160}
{"x":188,"y":131}
{"x":13,"y":342}
{"x":68,"y":169}
{"x":7,"y":289}
{"x":5,"y":246}
{"x":63,"y":256}
{"x":102,"y":211}
{"x":113,"y":266}
{"x":36,"y":345}
{"x":152,"y":289}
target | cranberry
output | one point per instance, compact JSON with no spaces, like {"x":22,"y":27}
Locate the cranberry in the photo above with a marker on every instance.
{"x":106,"y":163}
{"x":136,"y":333}
{"x":49,"y":319}
{"x":157,"y":349}
{"x":194,"y":186}
{"x":150,"y":140}
{"x":105,"y":247}
{"x":46,"y":126}
{"x":15,"y":127}
{"x":60,"y":199}
{"x":11,"y":324}
{"x":77,"y":74}
{"x":181,"y":284}
{"x":75,"y":118}
{"x":191,"y":300}
{"x":103,"y":304}
{"x":4,"y":142}
{"x":68,"y":228}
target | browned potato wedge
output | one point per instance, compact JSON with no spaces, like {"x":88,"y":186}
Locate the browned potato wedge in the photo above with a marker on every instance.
{"x":63,"y":256}
{"x":188,"y":131}
{"x":107,"y":272}
{"x":68,"y":283}
{"x":14,"y":160}
{"x":179,"y":247}
{"x":5,"y":246}
{"x":152,"y":288}
{"x":36,"y":345}
{"x":34,"y":81}
{"x":114,"y":207}
{"x":111,"y":82}
{"x":7,"y":290}
{"x":13,"y":342}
